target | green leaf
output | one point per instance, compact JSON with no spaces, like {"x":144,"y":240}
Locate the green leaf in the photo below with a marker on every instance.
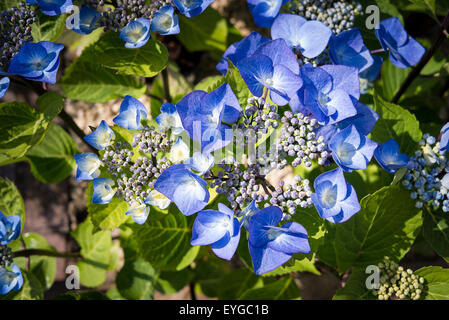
{"x":355,"y":288}
{"x":96,"y":252}
{"x":50,"y":104}
{"x":282,"y":289}
{"x":208,"y":272}
{"x":48,"y":28}
{"x":234,"y":284}
{"x":387,"y":225}
{"x":396,"y":123}
{"x":205,"y":32}
{"x":135,"y":281}
{"x":86,"y":80}
{"x":52,"y":160}
{"x":11,"y":202}
{"x":146,"y":61}
{"x":7,"y":4}
{"x":31,"y":289}
{"x":170,"y":282}
{"x":74,"y":295}
{"x":164,"y":240}
{"x":436,"y":231}
{"x":391,"y":81}
{"x":208,"y":82}
{"x":436,"y":285}
{"x":106,"y":216}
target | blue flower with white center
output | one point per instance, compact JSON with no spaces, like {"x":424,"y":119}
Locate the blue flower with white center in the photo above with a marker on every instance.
{"x":187,"y":190}
{"x":169,"y":119}
{"x":132,"y":112}
{"x":309,"y":37}
{"x":330,"y":93}
{"x":180,"y":151}
{"x":389,"y":157}
{"x":88,"y":19}
{"x":372,"y":72}
{"x":219,"y":229}
{"x":37,"y":61}
{"x":104,"y":190}
{"x":9,"y":228}
{"x":4,"y":85}
{"x":165,"y":21}
{"x":10,"y":280}
{"x":155,"y":198}
{"x":102,"y":137}
{"x":248,"y":212}
{"x":271,"y":246}
{"x":351,"y":150}
{"x":265,"y":11}
{"x":334,"y":198}
{"x":240,"y":50}
{"x":444,"y":138}
{"x":205,"y":116}
{"x":139,"y":212}
{"x":347,"y":48}
{"x":52,"y":7}
{"x":404,"y":50}
{"x":273,"y":66}
{"x":88,"y":166}
{"x":200,"y":162}
{"x":136,"y":34}
{"x":192,"y":8}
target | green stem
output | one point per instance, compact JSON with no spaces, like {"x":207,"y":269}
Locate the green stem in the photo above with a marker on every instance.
{"x":42,"y":252}
{"x":166,"y":85}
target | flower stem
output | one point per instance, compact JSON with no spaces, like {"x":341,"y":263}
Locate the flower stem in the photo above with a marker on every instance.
{"x":42,"y":252}
{"x":166,"y":85}
{"x":425,"y":59}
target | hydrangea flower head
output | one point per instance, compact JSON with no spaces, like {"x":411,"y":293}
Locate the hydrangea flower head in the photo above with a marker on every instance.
{"x":132,"y":112}
{"x":102,"y":137}
{"x":88,"y":166}
{"x":219,"y":229}
{"x":4,"y":85}
{"x":136,"y":34}
{"x":272,"y":66}
{"x":88,"y":19}
{"x":351,"y":150}
{"x":10,"y":279}
{"x":52,"y":7}
{"x":404,"y":50}
{"x":165,"y":21}
{"x":37,"y":61}
{"x":103,"y":190}
{"x":334,"y":198}
{"x":9,"y":228}
{"x":271,"y":246}
{"x":389,"y":157}
{"x":187,"y":190}
{"x":192,"y":8}
{"x":309,"y":37}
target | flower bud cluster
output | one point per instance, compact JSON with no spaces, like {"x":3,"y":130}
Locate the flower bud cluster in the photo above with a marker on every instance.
{"x":5,"y":256}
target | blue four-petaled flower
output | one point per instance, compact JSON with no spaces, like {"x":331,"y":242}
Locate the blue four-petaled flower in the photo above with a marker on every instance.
{"x":88,"y":166}
{"x":4,"y":85}
{"x":10,"y":279}
{"x":9,"y":228}
{"x":102,"y":137}
{"x":165,"y":21}
{"x":87,"y":18}
{"x":132,"y":112}
{"x":136,"y":34}
{"x":192,"y":8}
{"x":103,"y":190}
{"x":169,"y":119}
{"x":389,"y":157}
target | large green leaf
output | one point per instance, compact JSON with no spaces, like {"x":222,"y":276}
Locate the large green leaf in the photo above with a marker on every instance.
{"x":392,"y":79}
{"x":396,"y":123}
{"x":164,"y":240}
{"x":48,"y":28}
{"x":282,"y":289}
{"x":386,"y":226}
{"x":234,"y":284}
{"x":436,"y":285}
{"x":135,"y":281}
{"x":355,"y":288}
{"x":52,"y":160}
{"x":436,"y":231}
{"x":11,"y":202}
{"x":170,"y":282}
{"x":146,"y":61}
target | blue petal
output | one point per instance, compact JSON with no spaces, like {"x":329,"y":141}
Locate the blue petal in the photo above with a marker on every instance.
{"x":292,"y":238}
{"x":254,"y":71}
{"x":264,"y":11}
{"x":225,"y":247}
{"x":102,"y":137}
{"x":258,"y":231}
{"x":4,"y":85}
{"x":266,"y":259}
{"x":209,"y":227}
{"x":132,"y":111}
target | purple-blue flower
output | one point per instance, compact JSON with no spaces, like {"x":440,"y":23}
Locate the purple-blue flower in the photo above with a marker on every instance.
{"x":404,"y":50}
{"x":136,"y":34}
{"x":273,"y":66}
{"x":271,"y":246}
{"x":9,"y":228}
{"x":309,"y":37}
{"x":240,"y":50}
{"x":187,"y":190}
{"x":88,"y":19}
{"x":4,"y":85}
{"x":347,"y":48}
{"x":103,"y":190}
{"x":444,"y":139}
{"x":10,"y":279}
{"x":219,"y":229}
{"x":334,"y":198}
{"x":165,"y":21}
{"x":52,"y":7}
{"x":132,"y":112}
{"x":102,"y":137}
{"x":330,"y":93}
{"x":192,"y":8}
{"x":351,"y":150}
{"x":264,"y":11}
{"x":389,"y":157}
{"x":88,"y":166}
{"x":37,"y":61}
{"x":169,"y":119}
{"x":205,"y":116}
